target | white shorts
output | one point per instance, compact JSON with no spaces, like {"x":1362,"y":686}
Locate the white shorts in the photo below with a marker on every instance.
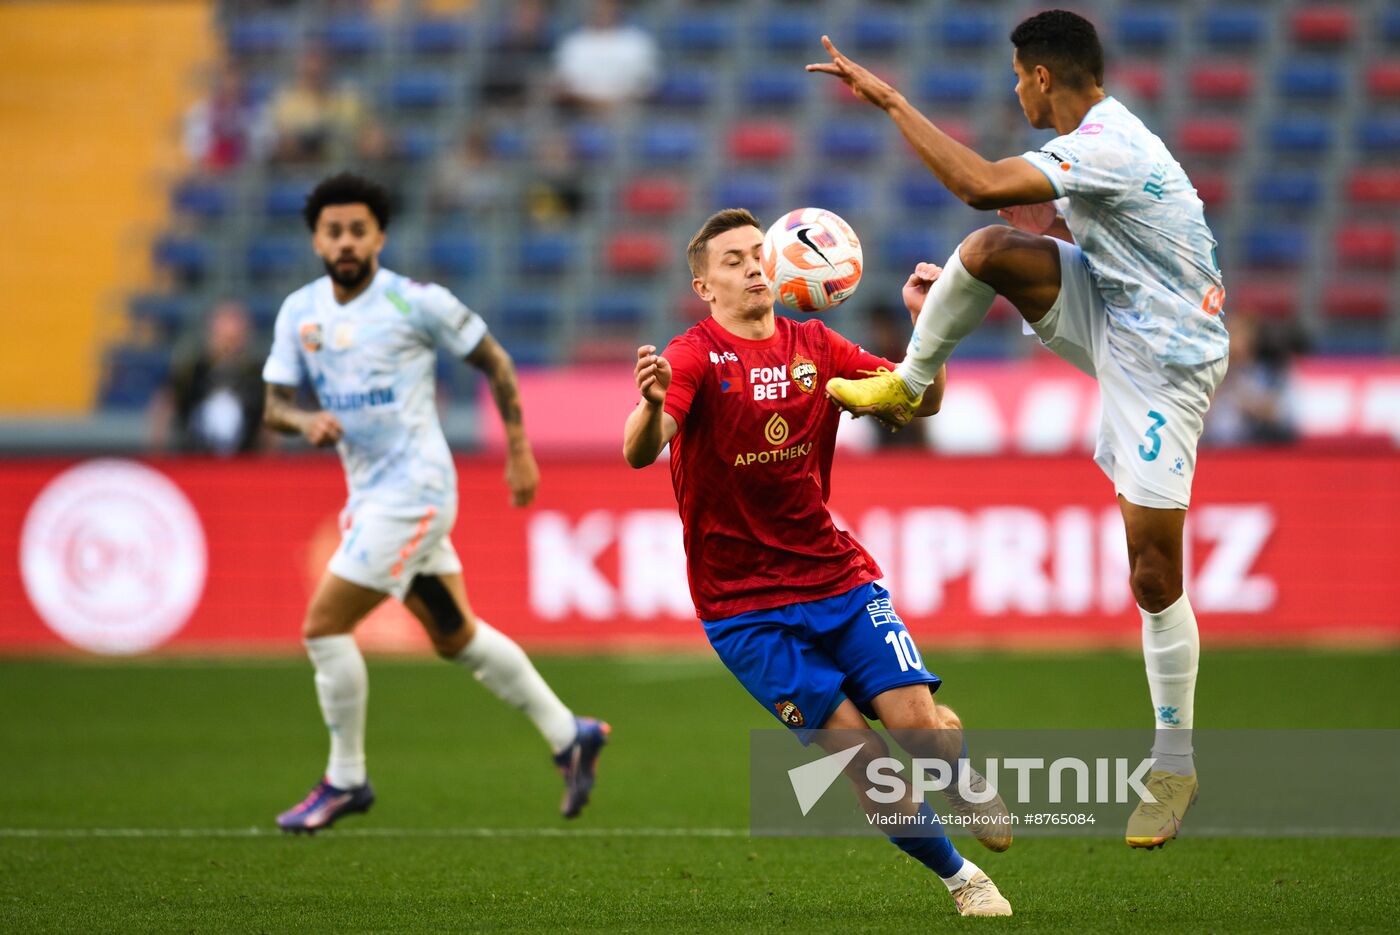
{"x":383,"y":548}
{"x":1152,"y":413}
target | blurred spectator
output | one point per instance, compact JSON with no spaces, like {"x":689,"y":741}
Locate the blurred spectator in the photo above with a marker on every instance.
{"x":1256,"y":404}
{"x":517,"y":55}
{"x":606,"y":63}
{"x":220,"y":129}
{"x":466,"y":181}
{"x":317,"y":120}
{"x":214,"y":400}
{"x":555,"y":193}
{"x":888,"y":331}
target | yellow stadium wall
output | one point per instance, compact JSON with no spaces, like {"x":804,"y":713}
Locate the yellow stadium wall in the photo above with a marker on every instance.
{"x":91,"y":94}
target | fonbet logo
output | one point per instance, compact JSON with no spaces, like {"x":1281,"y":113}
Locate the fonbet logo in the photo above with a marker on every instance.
{"x":113,"y":557}
{"x":1064,"y":777}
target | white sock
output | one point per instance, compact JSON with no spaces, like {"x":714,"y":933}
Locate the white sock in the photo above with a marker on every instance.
{"x":956,"y":303}
{"x":502,"y":666}
{"x":342,"y":688}
{"x":961,"y":878}
{"x":1171,"y":649}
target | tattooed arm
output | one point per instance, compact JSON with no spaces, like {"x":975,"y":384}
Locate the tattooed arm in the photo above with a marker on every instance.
{"x":522,"y":474}
{"x":280,"y":413}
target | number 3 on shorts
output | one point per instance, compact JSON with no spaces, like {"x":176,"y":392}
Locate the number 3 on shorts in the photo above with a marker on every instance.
{"x":1158,"y":420}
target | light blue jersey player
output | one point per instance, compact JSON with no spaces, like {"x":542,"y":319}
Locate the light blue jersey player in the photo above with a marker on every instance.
{"x":1121,"y":281}
{"x":366,"y":339}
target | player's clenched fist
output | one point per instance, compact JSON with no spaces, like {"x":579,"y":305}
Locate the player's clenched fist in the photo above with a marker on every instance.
{"x":653,"y":374}
{"x":322,"y":428}
{"x":916,"y":287}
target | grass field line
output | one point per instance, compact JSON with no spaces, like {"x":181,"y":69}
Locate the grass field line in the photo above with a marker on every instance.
{"x":265,"y":832}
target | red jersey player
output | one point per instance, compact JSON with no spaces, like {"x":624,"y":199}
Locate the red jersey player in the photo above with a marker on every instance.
{"x":789,"y":601}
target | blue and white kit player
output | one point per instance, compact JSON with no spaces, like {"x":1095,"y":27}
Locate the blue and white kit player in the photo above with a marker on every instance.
{"x":366,"y":339}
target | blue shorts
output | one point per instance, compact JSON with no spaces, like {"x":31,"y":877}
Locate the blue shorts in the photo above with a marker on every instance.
{"x":801,"y":660}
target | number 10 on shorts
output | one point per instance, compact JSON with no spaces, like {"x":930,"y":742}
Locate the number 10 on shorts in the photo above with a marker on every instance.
{"x":882,"y":612}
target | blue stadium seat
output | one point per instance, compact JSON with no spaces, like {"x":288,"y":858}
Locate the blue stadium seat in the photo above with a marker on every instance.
{"x":967,"y":29}
{"x":263,"y":308}
{"x":286,"y":199}
{"x":950,"y":85}
{"x":851,"y":140}
{"x":1288,"y":189}
{"x":509,"y":143}
{"x":757,"y":193}
{"x":168,"y":313}
{"x":1314,"y":80}
{"x":261,"y":35}
{"x":1146,"y":28}
{"x":523,"y":312}
{"x":133,"y":374}
{"x":789,"y":30}
{"x":843,"y":193}
{"x":455,"y":254}
{"x":1234,"y":27}
{"x":701,"y":32}
{"x":1381,"y":135}
{"x":1301,"y":135}
{"x":1390,"y":25}
{"x":684,"y":88}
{"x":1276,"y":246}
{"x":669,"y":142}
{"x":622,"y":308}
{"x":417,"y":143}
{"x":591,"y":142}
{"x":351,"y":35}
{"x":438,"y":37}
{"x":185,"y":257}
{"x":546,"y":253}
{"x":875,"y":30}
{"x":920,"y":191}
{"x":419,"y":90}
{"x":202,"y":198}
{"x":276,"y":256}
{"x":904,"y":247}
{"x":775,"y":87}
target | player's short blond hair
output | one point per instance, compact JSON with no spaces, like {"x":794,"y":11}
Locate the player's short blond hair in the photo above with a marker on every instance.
{"x":697,"y":254}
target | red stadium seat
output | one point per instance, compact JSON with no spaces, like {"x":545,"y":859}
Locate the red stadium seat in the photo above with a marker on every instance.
{"x":1209,"y":137}
{"x":655,"y":197}
{"x":1323,"y":25}
{"x":636,"y":253}
{"x":760,"y":142}
{"x":1383,"y":80}
{"x":1144,"y":81}
{"x":1267,"y":298}
{"x":1222,"y":82}
{"x":1374,"y":187}
{"x":1351,"y":299}
{"x":1212,"y":187}
{"x":1372,"y":246}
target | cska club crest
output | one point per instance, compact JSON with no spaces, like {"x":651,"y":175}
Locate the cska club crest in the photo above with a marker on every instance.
{"x":803,"y":373}
{"x":311,"y":336}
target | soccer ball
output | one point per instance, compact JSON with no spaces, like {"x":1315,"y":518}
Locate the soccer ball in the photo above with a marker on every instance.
{"x":812,"y":260}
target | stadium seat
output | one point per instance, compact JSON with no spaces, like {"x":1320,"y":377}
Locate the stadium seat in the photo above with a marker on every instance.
{"x":844,"y":193}
{"x":429,"y":37}
{"x":1352,"y":299}
{"x":455,"y":254}
{"x":1146,"y":29}
{"x":1272,"y":298}
{"x":1390,"y":25}
{"x":760,"y":141}
{"x":1322,"y":25}
{"x":186,"y":258}
{"x":1291,"y":189}
{"x":350,"y":36}
{"x":628,"y":309}
{"x":509,"y":143}
{"x":636,"y":253}
{"x":545,"y":253}
{"x":1367,"y":245}
{"x":1223,"y":82}
{"x":1142,"y":79}
{"x":950,"y":85}
{"x":277,"y":256}
{"x":1213,"y":188}
{"x":206,"y":199}
{"x":775,"y":87}
{"x":167,"y":314}
{"x":1233,"y":27}
{"x":904,"y":247}
{"x":261,"y":35}
{"x":684,"y":88}
{"x":875,"y":30}
{"x":1381,"y":135}
{"x":1276,"y":246}
{"x":790,"y":30}
{"x":591,"y":142}
{"x":523,"y":312}
{"x":1211,"y":137}
{"x":1374,"y":187}
{"x":654,"y":196}
{"x":285,"y":199}
{"x":921,"y":191}
{"x":668,"y":143}
{"x":1383,"y":80}
{"x":1318,"y":81}
{"x":967,"y":29}
{"x":416,"y":143}
{"x":1301,"y":135}
{"x":757,"y":193}
{"x":851,"y":141}
{"x":419,"y":90}
{"x":263,"y":308}
{"x":701,"y":32}
{"x":132,"y":375}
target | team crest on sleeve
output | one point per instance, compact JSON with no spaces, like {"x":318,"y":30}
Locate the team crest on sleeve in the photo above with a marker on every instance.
{"x":311,"y":336}
{"x":804,"y":373}
{"x":788,"y":714}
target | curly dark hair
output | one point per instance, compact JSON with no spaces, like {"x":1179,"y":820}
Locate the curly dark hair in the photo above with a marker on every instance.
{"x":347,"y":188}
{"x":1065,"y":43}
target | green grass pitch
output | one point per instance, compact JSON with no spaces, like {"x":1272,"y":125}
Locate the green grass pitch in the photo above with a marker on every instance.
{"x":191,"y":756}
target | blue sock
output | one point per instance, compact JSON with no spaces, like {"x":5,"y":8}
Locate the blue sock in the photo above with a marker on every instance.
{"x":935,"y":852}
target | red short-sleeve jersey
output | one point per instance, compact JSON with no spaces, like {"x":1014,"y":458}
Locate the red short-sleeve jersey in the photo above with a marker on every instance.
{"x":751,"y":465}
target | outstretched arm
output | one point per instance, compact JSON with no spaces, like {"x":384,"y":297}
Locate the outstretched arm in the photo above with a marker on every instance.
{"x":280,"y":413}
{"x":976,"y":181}
{"x":649,"y":427}
{"x":522,"y":473}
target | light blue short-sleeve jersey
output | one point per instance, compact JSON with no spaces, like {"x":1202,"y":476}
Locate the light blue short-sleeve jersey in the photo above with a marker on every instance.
{"x":372,"y":363}
{"x":1136,"y":216}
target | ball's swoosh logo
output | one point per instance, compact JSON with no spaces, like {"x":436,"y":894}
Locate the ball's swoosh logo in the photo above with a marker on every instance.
{"x":802,"y":236}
